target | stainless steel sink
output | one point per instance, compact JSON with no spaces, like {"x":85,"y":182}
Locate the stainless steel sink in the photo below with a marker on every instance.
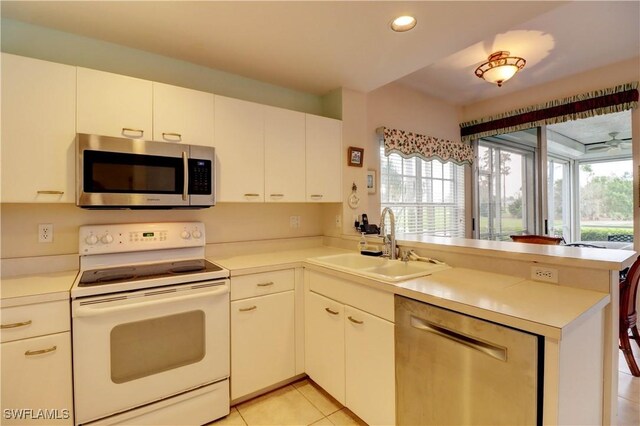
{"x":378,"y":268}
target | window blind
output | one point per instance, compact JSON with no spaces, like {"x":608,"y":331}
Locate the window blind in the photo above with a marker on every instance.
{"x":427,"y":197}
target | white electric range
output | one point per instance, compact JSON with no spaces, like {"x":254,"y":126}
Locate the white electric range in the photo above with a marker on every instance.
{"x":150,"y":324}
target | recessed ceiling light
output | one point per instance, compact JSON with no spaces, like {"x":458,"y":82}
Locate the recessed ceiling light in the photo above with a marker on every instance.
{"x":403,"y":23}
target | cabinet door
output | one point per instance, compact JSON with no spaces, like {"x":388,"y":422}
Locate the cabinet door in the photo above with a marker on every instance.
{"x":182,"y":115}
{"x":36,"y":374}
{"x":324,"y":344}
{"x":324,"y":159}
{"x":284,"y":152}
{"x":262,"y":342}
{"x":38,"y":131}
{"x":239,"y":141}
{"x":370,"y":367}
{"x":114,"y":105}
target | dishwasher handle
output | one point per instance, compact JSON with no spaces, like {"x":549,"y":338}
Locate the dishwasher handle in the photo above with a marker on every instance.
{"x":494,"y":351}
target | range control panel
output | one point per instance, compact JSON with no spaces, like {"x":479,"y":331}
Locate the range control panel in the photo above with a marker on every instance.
{"x":119,"y":238}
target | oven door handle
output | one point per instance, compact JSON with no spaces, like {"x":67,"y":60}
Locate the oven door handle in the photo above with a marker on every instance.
{"x":96,"y":309}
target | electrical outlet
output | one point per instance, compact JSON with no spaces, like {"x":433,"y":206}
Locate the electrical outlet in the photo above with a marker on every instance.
{"x":45,"y":233}
{"x":549,"y":275}
{"x":338,"y":221}
{"x":294,"y":221}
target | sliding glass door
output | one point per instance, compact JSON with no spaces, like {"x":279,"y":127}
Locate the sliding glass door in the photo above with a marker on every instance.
{"x":505,"y":191}
{"x":559,"y":198}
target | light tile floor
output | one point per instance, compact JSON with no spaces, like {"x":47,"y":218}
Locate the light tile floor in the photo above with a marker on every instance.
{"x":305,"y":403}
{"x":301,"y":403}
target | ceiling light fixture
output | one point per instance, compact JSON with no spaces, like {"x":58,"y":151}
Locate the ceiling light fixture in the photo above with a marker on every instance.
{"x":403,"y":23}
{"x":500,"y":67}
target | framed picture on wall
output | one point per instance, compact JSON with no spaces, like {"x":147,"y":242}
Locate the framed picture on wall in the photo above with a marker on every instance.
{"x":356,"y":156}
{"x":371,"y":182}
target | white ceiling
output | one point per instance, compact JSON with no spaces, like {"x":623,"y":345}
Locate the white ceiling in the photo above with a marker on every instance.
{"x":318,"y":46}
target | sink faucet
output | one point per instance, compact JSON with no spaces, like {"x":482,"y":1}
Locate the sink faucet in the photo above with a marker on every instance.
{"x":389,"y":240}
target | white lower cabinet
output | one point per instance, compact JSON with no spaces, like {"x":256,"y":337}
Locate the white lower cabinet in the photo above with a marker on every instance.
{"x":350,"y":352}
{"x":262,"y":332}
{"x":324,"y":344}
{"x":36,"y":381}
{"x":370,"y":367}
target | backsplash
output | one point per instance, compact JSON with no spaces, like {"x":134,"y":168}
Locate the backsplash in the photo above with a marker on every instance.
{"x":226,"y":222}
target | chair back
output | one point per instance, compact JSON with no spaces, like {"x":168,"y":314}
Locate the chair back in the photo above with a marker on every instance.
{"x":536,"y":239}
{"x":629,"y":294}
{"x":623,"y":238}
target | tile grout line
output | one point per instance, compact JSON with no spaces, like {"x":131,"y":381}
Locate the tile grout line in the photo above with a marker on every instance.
{"x":243,"y":419}
{"x":312,"y":404}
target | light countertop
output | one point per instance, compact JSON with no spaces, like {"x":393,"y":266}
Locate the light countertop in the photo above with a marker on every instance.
{"x":37,"y":288}
{"x":264,"y":262}
{"x":545,"y":309}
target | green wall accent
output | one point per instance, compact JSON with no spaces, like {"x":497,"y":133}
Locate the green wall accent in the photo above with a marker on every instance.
{"x":332,"y":104}
{"x":38,"y":42}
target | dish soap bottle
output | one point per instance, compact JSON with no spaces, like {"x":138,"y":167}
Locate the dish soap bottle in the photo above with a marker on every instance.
{"x":362,"y":244}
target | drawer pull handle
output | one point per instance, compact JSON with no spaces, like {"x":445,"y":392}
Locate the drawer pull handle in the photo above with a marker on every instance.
{"x":178,"y":136}
{"x":277,"y":195}
{"x":15,"y":324}
{"x":252,"y":308}
{"x":355,"y":321}
{"x":129,"y":129}
{"x":331,"y":312}
{"x":251,"y":195}
{"x":41,"y":351}
{"x":51,"y":192}
{"x":265,"y":284}
{"x":316,"y":195}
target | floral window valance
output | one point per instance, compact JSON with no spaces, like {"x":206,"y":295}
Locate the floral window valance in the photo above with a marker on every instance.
{"x":613,"y":99}
{"x":408,"y":144}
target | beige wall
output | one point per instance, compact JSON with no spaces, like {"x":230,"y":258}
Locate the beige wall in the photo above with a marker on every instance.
{"x":226,"y":222}
{"x":399,"y":107}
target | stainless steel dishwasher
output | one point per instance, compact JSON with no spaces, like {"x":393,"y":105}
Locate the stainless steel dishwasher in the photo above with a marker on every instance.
{"x":453,"y":369}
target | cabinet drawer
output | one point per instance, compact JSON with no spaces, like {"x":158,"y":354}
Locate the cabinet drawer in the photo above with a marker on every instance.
{"x":36,"y":375}
{"x":20,"y":322}
{"x":368,"y":299}
{"x":264,"y":283}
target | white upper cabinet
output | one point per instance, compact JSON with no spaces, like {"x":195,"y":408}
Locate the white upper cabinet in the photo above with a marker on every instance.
{"x":324,"y":159}
{"x":114,"y":105}
{"x":38,"y":130}
{"x":284,"y":151}
{"x":239,"y":143}
{"x":182,"y":115}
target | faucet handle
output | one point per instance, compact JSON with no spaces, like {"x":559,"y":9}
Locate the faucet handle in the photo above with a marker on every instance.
{"x":404,"y":254}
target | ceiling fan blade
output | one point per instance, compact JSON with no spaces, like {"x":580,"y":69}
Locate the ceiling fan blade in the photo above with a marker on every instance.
{"x":625,"y":145}
{"x":597,"y":148}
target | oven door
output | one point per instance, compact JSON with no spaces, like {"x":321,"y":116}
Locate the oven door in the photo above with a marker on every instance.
{"x":131,"y":349}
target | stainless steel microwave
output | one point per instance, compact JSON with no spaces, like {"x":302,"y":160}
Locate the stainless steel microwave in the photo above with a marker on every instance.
{"x":135,"y":174}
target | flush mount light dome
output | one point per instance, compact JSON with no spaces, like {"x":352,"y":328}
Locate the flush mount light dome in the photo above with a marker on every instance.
{"x":403,"y":23}
{"x":500,"y":67}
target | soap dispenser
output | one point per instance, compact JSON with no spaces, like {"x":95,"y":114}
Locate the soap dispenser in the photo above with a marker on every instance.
{"x":362,"y":244}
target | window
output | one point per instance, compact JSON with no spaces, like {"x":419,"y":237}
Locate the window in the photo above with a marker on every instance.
{"x":559,"y":198}
{"x":427,"y":197}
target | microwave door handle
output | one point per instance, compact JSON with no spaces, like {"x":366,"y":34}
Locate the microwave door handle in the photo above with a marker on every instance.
{"x":94,"y":310}
{"x":185,"y":165}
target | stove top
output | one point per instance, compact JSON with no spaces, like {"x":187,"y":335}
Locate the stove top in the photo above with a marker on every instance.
{"x":120,"y":274}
